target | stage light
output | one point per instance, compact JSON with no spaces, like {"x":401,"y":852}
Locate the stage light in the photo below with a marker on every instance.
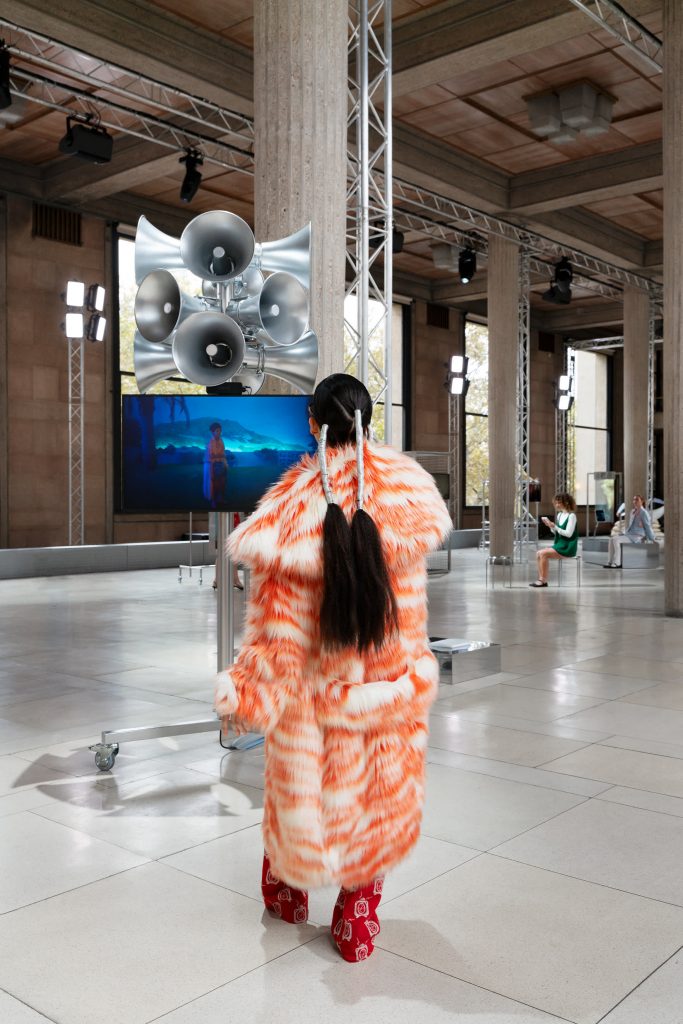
{"x":96,"y":295}
{"x":375,"y":240}
{"x":75,"y":293}
{"x":560,"y":292}
{"x":459,"y":364}
{"x":467,"y":264}
{"x":73,"y":326}
{"x":193,"y":178}
{"x":564,"y":393}
{"x":459,"y":385}
{"x":87,"y":141}
{"x":96,"y":327}
{"x":5,"y":93}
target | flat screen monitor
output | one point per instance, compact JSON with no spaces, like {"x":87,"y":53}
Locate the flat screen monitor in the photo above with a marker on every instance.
{"x":203,"y":453}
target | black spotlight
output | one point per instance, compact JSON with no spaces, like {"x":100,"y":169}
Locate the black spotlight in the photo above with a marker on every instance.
{"x":560,"y":292}
{"x":5,"y":94}
{"x":375,"y":240}
{"x":88,"y":141}
{"x":467,"y":264}
{"x":193,"y":178}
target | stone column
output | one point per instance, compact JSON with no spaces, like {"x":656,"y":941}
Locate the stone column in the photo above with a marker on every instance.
{"x":673,"y":305}
{"x":636,"y":336}
{"x":503,"y":293}
{"x":300,"y":109}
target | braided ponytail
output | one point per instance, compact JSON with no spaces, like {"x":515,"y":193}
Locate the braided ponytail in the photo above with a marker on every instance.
{"x":358,"y":606}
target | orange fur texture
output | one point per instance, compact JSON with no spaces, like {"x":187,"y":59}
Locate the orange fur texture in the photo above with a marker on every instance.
{"x":345,"y":732}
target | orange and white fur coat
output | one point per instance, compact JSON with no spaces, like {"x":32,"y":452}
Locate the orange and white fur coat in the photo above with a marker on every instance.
{"x":345,"y":732}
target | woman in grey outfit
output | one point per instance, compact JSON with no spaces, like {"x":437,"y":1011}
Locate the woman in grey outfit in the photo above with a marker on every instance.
{"x":639,"y":530}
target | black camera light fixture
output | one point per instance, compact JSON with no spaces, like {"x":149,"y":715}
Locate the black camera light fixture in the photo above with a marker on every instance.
{"x":86,"y":139}
{"x":467,"y":264}
{"x":5,"y":90}
{"x":560,"y":291}
{"x":193,"y":178}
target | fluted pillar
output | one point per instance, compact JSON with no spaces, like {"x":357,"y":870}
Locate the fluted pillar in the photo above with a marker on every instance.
{"x":503,"y":297}
{"x":636,"y":371}
{"x":300,"y":101}
{"x":673,"y":305}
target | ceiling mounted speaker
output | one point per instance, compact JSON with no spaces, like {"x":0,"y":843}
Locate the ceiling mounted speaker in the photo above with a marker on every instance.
{"x":296,"y":364}
{"x":153,"y":362}
{"x":291,"y":254}
{"x":155,"y":250}
{"x":208,"y":348}
{"x":160,"y":306}
{"x":217,"y":245}
{"x":280,"y":309}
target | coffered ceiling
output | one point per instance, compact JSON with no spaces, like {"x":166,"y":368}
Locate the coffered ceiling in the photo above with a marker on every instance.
{"x":463,"y":70}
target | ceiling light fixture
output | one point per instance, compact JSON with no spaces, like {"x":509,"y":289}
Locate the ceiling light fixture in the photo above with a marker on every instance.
{"x":87,"y":141}
{"x":193,"y":178}
{"x":467,"y":264}
{"x":560,"y":114}
{"x":560,"y":292}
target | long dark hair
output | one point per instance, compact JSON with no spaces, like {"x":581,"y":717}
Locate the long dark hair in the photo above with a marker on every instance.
{"x":358,"y":607}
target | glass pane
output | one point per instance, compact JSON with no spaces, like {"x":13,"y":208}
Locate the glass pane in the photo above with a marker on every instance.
{"x":591,"y":457}
{"x":477,"y":351}
{"x":476,"y":457}
{"x":127,"y":290}
{"x":591,"y":389}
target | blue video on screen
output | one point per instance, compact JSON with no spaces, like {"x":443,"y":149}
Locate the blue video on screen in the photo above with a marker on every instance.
{"x":206,"y":452}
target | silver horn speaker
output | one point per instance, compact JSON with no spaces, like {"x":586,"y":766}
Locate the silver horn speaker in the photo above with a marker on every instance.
{"x":217,"y":245}
{"x":291,"y":254}
{"x":296,"y":364}
{"x":160,"y":305}
{"x":280,"y":309}
{"x":155,"y":249}
{"x":153,"y":362}
{"x":208,"y":348}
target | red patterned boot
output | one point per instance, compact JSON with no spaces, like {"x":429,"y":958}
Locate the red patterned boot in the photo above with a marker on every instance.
{"x":355,"y":925}
{"x":281,"y":899}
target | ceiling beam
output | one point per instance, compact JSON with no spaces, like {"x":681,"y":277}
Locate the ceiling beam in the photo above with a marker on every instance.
{"x":578,"y":317}
{"x":423,"y":160}
{"x":592,"y":234}
{"x":141,"y":37}
{"x":636,"y":169}
{"x":454,"y":38}
{"x":133,"y":163}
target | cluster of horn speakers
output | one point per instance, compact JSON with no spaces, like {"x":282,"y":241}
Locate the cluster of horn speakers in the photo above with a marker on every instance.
{"x":248,"y":318}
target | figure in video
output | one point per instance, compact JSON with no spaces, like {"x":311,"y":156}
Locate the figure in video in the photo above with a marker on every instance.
{"x":335,"y":666}
{"x":216,"y":468}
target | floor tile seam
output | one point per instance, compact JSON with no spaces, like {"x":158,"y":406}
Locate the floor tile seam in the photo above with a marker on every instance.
{"x":513,"y":764}
{"x":225,"y":984}
{"x":204,"y":842}
{"x":600,"y":743}
{"x":72,"y":828}
{"x":28,"y":1005}
{"x":525,"y":728}
{"x":635,"y":807}
{"x":636,"y":750}
{"x":579,"y":878}
{"x":220,"y":778}
{"x":5,"y":914}
{"x":209,"y":881}
{"x":472,"y":984}
{"x":572,"y":693}
{"x":641,"y":982}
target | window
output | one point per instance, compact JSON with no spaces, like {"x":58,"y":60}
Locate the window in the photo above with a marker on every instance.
{"x":376,"y":332}
{"x":127,"y":289}
{"x":476,"y":412}
{"x":591,"y":433}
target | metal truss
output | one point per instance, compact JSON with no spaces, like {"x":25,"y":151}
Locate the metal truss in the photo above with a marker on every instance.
{"x":614,"y":19}
{"x":462,"y":217}
{"x":523,"y":518}
{"x":369,"y":207}
{"x":564,"y":433}
{"x":651,"y":387}
{"x":225,"y":138}
{"x":76,"y":506}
